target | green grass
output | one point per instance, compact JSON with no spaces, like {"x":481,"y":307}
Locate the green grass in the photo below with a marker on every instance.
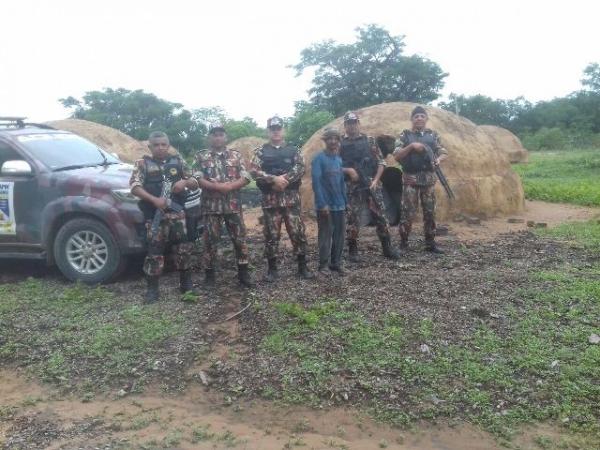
{"x":579,"y":234}
{"x":78,"y":335}
{"x":498,"y":381}
{"x":562,"y":176}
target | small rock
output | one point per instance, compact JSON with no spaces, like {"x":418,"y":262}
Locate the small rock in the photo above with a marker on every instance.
{"x":459,"y":218}
{"x":203,"y":378}
{"x":495,"y":316}
{"x":515,"y":220}
{"x":530,"y":223}
{"x":435,"y":400}
{"x":473,"y":220}
{"x":425,"y":348}
{"x":594,"y":339}
{"x":541,"y":225}
{"x":554,"y":364}
{"x":122,"y":393}
{"x":345,"y":395}
{"x":156,"y":365}
{"x":441,"y":230}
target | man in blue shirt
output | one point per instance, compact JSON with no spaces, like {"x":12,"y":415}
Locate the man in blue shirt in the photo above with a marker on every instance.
{"x":330,"y":202}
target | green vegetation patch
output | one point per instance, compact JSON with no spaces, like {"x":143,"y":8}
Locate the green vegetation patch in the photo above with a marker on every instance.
{"x":79,"y":335}
{"x":542,"y":368}
{"x":562,"y":176}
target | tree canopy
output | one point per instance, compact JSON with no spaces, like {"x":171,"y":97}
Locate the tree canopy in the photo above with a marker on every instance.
{"x":369,"y":71}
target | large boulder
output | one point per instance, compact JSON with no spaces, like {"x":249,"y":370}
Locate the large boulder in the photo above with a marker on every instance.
{"x":477,"y":169}
{"x":507,"y":142}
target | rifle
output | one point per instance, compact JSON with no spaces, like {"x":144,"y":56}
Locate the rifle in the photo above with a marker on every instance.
{"x":438,"y":171}
{"x":167,"y":186}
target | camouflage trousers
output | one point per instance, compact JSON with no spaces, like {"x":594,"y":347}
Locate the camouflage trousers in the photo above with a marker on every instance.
{"x":290,"y":216}
{"x":171,"y":235}
{"x":411,"y":195}
{"x":212,"y":235}
{"x":357,"y":201}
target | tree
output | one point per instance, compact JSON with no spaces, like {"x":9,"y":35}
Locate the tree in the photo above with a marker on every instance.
{"x":235,"y":128}
{"x":591,"y":77}
{"x":137,"y":113}
{"x":369,"y":71}
{"x":306,"y":121}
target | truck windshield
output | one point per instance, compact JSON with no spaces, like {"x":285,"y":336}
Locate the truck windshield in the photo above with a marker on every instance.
{"x":64,"y":151}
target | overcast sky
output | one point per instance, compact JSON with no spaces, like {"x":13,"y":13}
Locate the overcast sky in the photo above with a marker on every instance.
{"x":234,"y":53}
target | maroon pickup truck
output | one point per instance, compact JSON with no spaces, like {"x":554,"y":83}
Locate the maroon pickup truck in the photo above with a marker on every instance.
{"x":64,"y":200}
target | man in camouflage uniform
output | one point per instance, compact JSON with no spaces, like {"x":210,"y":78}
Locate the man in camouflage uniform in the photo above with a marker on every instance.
{"x":363,"y":166}
{"x":419,"y":177}
{"x":221,"y":174}
{"x":278,"y":168}
{"x":146,"y":183}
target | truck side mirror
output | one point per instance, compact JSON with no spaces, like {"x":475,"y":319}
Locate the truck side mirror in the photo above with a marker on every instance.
{"x":16,"y":168}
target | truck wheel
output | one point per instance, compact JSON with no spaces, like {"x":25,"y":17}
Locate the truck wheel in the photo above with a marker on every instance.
{"x":85,"y":250}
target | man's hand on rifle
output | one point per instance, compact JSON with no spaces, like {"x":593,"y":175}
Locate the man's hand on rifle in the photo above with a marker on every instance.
{"x":179,"y":186}
{"x":160,"y":203}
{"x":418,"y":147}
{"x":352,"y":173}
{"x":280,"y":183}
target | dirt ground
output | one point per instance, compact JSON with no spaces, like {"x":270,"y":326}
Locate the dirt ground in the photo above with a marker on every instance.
{"x":39,"y":416}
{"x":49,"y":420}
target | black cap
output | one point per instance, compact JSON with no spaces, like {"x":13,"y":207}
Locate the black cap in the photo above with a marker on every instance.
{"x":215,"y":126}
{"x":418,"y":110}
{"x":350,"y":116}
{"x":274,"y":121}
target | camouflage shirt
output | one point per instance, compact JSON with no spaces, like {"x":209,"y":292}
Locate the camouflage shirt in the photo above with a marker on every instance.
{"x":138,"y":176}
{"x":353,"y":187}
{"x":421,"y":178}
{"x":274,"y":199}
{"x":221,"y":166}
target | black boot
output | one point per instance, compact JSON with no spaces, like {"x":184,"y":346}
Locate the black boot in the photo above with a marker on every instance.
{"x":432,"y":248}
{"x":303,"y":271}
{"x":152,"y":293}
{"x":244,"y":276}
{"x":353,"y":251}
{"x":388,"y":250}
{"x":272,"y":273}
{"x":209,"y":277}
{"x":185,"y":283}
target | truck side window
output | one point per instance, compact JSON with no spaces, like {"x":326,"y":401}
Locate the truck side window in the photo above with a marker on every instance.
{"x":8,"y":153}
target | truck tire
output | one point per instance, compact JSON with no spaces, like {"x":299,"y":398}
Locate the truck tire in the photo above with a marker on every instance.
{"x":85,"y":250}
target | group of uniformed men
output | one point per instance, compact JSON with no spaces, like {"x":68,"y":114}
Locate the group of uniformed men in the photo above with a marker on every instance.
{"x":346,"y":177}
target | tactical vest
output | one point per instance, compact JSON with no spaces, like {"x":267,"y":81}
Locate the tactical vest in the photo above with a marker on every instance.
{"x":419,"y":162}
{"x":278,"y":161}
{"x":356,"y":153}
{"x":154,"y":174}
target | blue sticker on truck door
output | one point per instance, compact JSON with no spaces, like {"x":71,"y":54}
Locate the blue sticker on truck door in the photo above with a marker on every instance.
{"x":7,"y":211}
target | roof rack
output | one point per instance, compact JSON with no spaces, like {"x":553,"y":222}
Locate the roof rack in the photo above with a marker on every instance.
{"x":19,"y":122}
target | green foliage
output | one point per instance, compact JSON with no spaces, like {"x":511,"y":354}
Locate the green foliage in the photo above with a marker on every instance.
{"x":485,"y":110}
{"x":137,"y":113}
{"x":546,"y":139}
{"x":577,"y":115}
{"x":542,"y":369}
{"x":591,"y":77}
{"x":582,"y":234}
{"x":371,"y":70}
{"x":306,"y":121}
{"x":235,"y":128}
{"x":563,"y":176}
{"x":76,"y":334}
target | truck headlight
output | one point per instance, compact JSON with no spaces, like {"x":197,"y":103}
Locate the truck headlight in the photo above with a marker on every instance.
{"x":124,"y":195}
